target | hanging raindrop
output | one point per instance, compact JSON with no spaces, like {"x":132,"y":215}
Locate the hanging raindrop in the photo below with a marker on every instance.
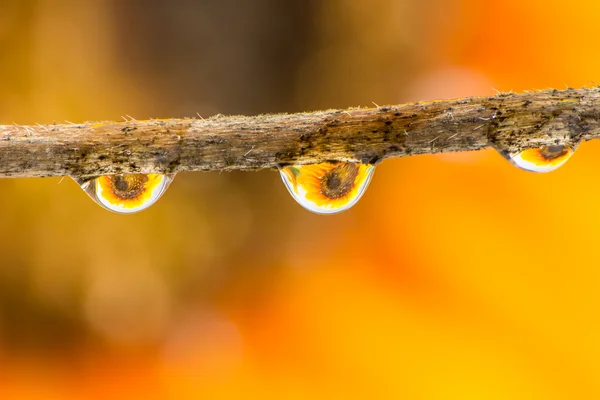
{"x":542,"y":159}
{"x":126,"y":193}
{"x":327,"y":188}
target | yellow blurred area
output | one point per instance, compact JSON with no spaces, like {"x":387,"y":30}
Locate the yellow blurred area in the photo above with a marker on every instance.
{"x":455,"y":276}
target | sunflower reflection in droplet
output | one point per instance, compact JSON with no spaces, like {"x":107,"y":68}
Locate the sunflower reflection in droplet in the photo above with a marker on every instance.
{"x":327,"y":188}
{"x":542,"y":159}
{"x":127,"y":193}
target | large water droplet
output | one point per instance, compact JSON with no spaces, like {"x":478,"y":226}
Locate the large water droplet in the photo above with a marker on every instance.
{"x":126,"y":193}
{"x":542,"y":159}
{"x":327,"y":188}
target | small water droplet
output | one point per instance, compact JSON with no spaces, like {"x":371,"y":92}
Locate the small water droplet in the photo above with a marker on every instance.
{"x":327,"y":188}
{"x":126,"y":193}
{"x":542,"y":159}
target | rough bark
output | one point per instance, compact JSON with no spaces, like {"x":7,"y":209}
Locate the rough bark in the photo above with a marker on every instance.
{"x":509,"y":122}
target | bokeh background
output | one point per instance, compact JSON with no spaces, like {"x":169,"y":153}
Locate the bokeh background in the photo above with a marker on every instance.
{"x":456,"y":275}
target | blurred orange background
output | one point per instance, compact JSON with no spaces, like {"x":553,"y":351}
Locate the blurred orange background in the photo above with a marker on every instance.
{"x":456,"y":275}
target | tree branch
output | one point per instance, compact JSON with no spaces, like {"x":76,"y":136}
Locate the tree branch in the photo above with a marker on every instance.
{"x":511,"y":122}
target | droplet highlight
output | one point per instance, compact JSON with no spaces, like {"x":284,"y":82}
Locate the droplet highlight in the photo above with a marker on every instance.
{"x":543,"y":159}
{"x":126,"y":193}
{"x":327,"y":188}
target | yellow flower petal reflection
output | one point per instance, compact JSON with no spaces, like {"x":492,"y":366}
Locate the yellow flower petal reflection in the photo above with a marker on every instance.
{"x":543,"y":159}
{"x":127,"y":193}
{"x":327,"y":188}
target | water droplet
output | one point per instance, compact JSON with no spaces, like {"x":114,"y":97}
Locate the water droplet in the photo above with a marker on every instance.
{"x":543,"y":159}
{"x":327,"y":188}
{"x":126,"y":193}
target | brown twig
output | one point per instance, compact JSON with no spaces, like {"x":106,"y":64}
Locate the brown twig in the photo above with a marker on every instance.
{"x":511,"y":122}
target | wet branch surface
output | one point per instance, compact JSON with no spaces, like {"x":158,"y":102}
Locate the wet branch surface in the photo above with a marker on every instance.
{"x":510,"y":122}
